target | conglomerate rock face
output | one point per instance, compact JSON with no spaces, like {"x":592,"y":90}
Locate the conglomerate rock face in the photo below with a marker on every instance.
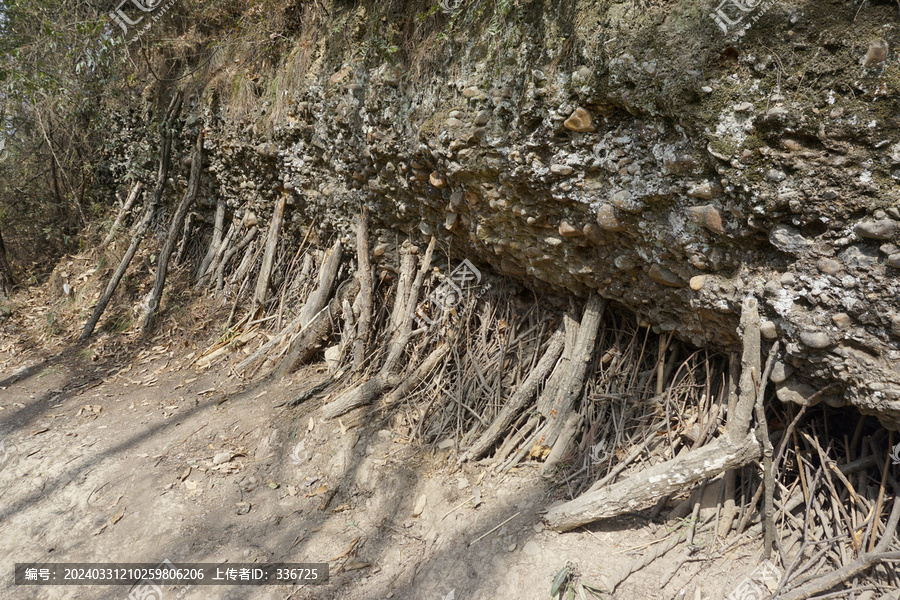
{"x":637,"y":151}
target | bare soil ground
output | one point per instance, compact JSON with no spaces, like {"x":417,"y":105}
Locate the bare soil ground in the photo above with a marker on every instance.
{"x":122,"y":451}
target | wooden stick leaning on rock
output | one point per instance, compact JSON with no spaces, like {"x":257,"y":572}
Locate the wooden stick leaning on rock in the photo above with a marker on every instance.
{"x":218,"y":230}
{"x":233,"y":229}
{"x":313,"y":335}
{"x":265,"y":271}
{"x":162,"y":264}
{"x":363,"y":322}
{"x":522,"y":396}
{"x":565,"y":384}
{"x":403,"y":315}
{"x":126,"y":208}
{"x":763,"y":435}
{"x":220,"y":270}
{"x":314,"y":304}
{"x":737,"y":447}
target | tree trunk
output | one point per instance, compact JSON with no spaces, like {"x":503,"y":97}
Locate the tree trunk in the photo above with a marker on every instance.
{"x":174,"y":229}
{"x":262,"y":283}
{"x":218,"y":229}
{"x":126,"y":208}
{"x":6,"y":278}
{"x":365,"y":291}
{"x":642,"y":490}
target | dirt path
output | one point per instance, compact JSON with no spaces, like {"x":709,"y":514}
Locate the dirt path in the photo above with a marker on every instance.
{"x":144,"y":460}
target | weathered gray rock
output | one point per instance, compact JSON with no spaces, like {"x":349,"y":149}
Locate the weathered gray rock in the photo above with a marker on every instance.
{"x":882,"y":229}
{"x":787,"y":239}
{"x":781,"y":371}
{"x":815,"y":339}
{"x":797,"y":392}
{"x":829,"y":266}
{"x":665,"y":277}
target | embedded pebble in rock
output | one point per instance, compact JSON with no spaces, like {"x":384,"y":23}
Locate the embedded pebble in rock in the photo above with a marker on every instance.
{"x":268,"y":150}
{"x":780,"y":372}
{"x":622,"y":200}
{"x":561,"y":169}
{"x":775,"y":175}
{"x":791,"y":146}
{"x":696,"y":282}
{"x":663,"y":276}
{"x":607,"y":218}
{"x":450,"y":220}
{"x":472,"y":92}
{"x":768,"y":330}
{"x":221,"y":458}
{"x":437,"y":180}
{"x":829,"y":266}
{"x":482,"y":118}
{"x":841,"y":320}
{"x":623,"y":263}
{"x":895,"y":325}
{"x":552,"y":240}
{"x":876,"y":54}
{"x":704,"y":191}
{"x":859,"y":256}
{"x":882,"y":229}
{"x":787,"y":279}
{"x":797,"y":392}
{"x":579,"y":121}
{"x":707,"y":217}
{"x":743,"y":107}
{"x":894,"y":261}
{"x":787,"y":239}
{"x":815,"y":339}
{"x":567,"y":230}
